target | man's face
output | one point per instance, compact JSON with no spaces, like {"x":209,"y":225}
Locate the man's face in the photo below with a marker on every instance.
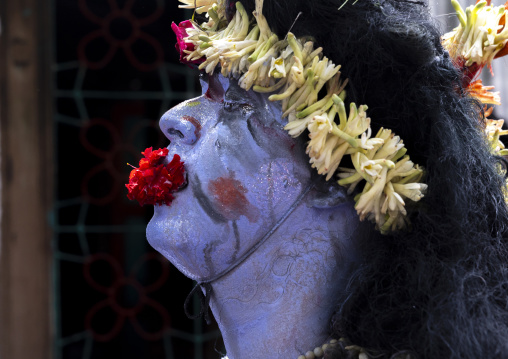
{"x":243,"y":170}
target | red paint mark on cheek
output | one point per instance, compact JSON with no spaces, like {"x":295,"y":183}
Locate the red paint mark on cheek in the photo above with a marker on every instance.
{"x":229,"y":194}
{"x":196,"y":124}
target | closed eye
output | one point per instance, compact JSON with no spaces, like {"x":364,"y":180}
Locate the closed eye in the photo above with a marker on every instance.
{"x":244,"y":108}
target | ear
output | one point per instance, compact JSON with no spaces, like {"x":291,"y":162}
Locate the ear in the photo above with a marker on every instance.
{"x":327,"y":195}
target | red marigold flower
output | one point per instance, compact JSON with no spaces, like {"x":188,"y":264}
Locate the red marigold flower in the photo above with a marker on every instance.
{"x":154,"y":182}
{"x":182,"y":46}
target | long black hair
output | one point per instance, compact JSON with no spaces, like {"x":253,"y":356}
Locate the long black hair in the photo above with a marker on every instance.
{"x":441,"y":289}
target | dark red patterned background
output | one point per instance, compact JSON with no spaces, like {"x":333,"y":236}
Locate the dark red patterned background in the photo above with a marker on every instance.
{"x":115,"y":73}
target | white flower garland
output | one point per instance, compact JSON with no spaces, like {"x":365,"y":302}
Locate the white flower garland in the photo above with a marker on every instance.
{"x":493,"y":130}
{"x":293,"y":67}
{"x":478,"y":38}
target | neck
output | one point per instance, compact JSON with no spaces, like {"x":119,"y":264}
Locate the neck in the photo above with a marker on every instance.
{"x":279,"y":302}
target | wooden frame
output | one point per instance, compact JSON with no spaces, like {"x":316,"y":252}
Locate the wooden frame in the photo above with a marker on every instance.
{"x":26,"y":179}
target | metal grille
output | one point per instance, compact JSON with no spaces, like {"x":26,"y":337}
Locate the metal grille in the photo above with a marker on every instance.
{"x":114,"y":74}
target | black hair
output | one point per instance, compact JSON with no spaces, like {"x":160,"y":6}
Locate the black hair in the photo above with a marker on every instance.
{"x":441,"y":289}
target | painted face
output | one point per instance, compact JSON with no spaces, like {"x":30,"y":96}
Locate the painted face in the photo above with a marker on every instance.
{"x":243,"y":170}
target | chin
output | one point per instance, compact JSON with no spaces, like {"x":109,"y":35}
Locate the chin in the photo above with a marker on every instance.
{"x":171,"y":231}
{"x":187,"y":236}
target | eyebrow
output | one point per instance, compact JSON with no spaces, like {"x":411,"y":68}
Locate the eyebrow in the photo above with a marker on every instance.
{"x":235,"y":95}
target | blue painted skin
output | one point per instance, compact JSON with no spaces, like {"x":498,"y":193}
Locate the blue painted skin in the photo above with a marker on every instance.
{"x":245,"y":174}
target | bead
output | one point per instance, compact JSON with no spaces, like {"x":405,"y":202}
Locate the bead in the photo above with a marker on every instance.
{"x":318,"y":352}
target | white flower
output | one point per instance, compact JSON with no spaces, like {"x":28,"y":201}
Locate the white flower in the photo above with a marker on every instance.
{"x":296,"y":127}
{"x":369,"y":143}
{"x":333,"y":161}
{"x":403,"y":168}
{"x":368,"y":169}
{"x":413,"y":191}
{"x":395,"y":221}
{"x":389,"y":148}
{"x":369,"y":202}
{"x":476,"y":39}
{"x":277,"y":68}
{"x":319,"y":128}
{"x":322,"y":162}
{"x":358,"y":122}
{"x":324,"y":70}
{"x":393,"y":200}
{"x":296,"y":74}
{"x":200,"y":5}
{"x":493,"y":130}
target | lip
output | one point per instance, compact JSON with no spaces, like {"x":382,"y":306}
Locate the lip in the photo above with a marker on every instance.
{"x":167,"y":160}
{"x":185,"y":184}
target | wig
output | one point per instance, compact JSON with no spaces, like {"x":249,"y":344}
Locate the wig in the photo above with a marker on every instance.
{"x":439,"y":290}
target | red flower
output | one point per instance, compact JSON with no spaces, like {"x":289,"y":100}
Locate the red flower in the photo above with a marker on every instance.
{"x":153,"y":182}
{"x":182,"y":46}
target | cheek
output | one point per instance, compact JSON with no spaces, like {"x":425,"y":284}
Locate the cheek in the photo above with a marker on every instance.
{"x":229,"y":194}
{"x":259,"y":171}
{"x":257,"y":196}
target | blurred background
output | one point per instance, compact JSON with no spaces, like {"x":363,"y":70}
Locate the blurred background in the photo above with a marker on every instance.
{"x":103,"y":72}
{"x":82,"y":86}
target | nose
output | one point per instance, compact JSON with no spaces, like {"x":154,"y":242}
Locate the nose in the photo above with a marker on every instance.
{"x":180,"y":128}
